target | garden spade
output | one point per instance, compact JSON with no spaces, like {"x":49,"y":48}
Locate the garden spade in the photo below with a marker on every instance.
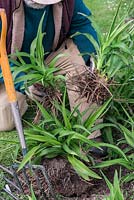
{"x":9,"y":86}
{"x":8,"y":81}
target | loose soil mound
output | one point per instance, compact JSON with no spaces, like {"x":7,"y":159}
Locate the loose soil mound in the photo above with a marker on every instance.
{"x":64,"y":179}
{"x":68,"y":185}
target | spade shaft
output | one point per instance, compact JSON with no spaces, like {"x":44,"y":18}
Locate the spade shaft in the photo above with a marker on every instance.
{"x":8,"y":81}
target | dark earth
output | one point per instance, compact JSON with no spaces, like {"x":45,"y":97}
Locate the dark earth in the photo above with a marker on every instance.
{"x":67,"y":185}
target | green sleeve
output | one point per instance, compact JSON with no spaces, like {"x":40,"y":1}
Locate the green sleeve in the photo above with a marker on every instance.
{"x":82,"y":24}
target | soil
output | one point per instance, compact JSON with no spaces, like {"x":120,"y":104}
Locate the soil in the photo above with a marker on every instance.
{"x":69,"y":186}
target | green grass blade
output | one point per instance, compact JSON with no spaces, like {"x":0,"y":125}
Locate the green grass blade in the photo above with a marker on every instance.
{"x":44,"y":112}
{"x":68,"y":150}
{"x":81,"y":128}
{"x":103,"y":125}
{"x":28,"y":157}
{"x":81,"y":168}
{"x":129,"y":135}
{"x":114,"y":20}
{"x":54,"y":60}
{"x":83,"y":139}
{"x":128,"y":178}
{"x":51,"y":150}
{"x":114,"y":148}
{"x":118,"y":161}
{"x":28,"y":77}
{"x":90,"y":38}
{"x":32,"y":193}
{"x":92,"y":119}
{"x":64,"y":114}
{"x":46,"y":138}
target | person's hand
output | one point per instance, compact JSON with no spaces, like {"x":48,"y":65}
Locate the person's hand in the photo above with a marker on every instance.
{"x":35,"y":92}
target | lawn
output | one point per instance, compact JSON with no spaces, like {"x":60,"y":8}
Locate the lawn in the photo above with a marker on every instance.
{"x":7,"y":154}
{"x":103,"y":11}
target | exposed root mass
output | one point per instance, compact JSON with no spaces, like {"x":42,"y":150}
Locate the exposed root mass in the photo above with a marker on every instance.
{"x":92,"y":86}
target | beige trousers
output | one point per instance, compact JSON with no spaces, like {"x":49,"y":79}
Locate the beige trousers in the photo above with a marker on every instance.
{"x":6,"y":117}
{"x":71,"y":64}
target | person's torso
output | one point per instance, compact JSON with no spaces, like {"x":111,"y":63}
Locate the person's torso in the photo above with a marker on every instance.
{"x":11,"y":6}
{"x":32,"y":20}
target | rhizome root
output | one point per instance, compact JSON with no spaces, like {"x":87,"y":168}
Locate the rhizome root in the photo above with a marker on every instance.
{"x":91,"y":85}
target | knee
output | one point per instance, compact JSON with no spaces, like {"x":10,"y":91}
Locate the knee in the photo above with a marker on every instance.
{"x":6,"y":117}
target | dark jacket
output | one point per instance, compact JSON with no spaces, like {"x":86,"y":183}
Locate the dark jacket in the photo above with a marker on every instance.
{"x":11,"y":5}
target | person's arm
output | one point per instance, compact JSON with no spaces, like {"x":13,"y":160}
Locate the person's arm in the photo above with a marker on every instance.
{"x":83,"y":25}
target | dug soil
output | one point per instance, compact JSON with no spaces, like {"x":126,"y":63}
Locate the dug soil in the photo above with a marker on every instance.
{"x":70,"y":186}
{"x":67,"y":185}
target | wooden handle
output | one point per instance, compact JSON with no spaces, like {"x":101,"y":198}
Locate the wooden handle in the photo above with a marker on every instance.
{"x":7,"y":76}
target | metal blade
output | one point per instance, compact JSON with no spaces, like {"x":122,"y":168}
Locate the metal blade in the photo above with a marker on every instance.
{"x":19,"y":127}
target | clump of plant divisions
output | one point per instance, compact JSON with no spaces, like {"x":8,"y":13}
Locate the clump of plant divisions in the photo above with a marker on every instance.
{"x":38,"y":73}
{"x":112,"y":55}
{"x":92,"y":86}
{"x":63,"y":147}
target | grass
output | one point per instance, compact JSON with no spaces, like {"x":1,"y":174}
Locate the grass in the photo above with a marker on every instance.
{"x":104,"y":10}
{"x":7,"y":151}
